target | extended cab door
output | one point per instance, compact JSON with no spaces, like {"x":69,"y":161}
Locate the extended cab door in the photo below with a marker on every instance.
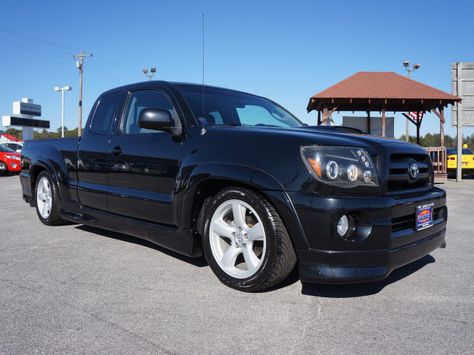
{"x":93,"y":151}
{"x":144,"y":163}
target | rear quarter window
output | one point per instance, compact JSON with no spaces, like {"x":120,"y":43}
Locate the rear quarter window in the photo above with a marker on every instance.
{"x":105,"y":112}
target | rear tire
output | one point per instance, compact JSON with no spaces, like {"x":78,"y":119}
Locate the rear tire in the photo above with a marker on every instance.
{"x":250,"y":252}
{"x":46,"y":200}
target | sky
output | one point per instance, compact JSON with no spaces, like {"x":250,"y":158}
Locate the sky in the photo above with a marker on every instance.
{"x":283,"y":50}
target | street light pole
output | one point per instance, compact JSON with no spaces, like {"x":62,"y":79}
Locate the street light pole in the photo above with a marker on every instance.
{"x":152,"y":72}
{"x":62,"y":89}
{"x":416,"y":66}
{"x":62,"y":113}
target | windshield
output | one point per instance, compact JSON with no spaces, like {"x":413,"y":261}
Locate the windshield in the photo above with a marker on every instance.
{"x":230,"y":108}
{"x":4,"y":149}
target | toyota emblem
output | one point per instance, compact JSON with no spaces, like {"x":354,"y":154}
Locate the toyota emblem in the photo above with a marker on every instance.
{"x":414,"y":170}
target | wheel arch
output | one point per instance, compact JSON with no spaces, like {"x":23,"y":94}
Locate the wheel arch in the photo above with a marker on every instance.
{"x":203,"y":184}
{"x":35,"y":171}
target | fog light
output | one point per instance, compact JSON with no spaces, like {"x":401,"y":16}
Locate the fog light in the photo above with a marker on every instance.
{"x":342,"y":225}
{"x":346,"y":227}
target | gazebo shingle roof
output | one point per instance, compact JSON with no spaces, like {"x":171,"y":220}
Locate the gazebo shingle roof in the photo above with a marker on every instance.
{"x":373,"y":91}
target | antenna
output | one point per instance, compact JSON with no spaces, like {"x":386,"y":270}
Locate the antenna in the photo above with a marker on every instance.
{"x":202,"y":66}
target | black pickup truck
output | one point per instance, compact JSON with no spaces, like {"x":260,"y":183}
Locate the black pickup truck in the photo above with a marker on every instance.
{"x":202,"y":169}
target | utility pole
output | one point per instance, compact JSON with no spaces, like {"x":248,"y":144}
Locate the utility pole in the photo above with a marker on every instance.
{"x":62,"y":89}
{"x":80,"y":65}
{"x":416,"y":66}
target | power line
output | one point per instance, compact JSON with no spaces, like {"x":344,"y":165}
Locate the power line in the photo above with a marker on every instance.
{"x":98,"y":73}
{"x":64,"y":48}
{"x":36,"y":50}
{"x":104,"y":70}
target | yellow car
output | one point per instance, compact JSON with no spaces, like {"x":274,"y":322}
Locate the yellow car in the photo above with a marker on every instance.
{"x":467,"y":161}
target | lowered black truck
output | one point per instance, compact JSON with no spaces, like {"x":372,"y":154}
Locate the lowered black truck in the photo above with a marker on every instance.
{"x":202,"y":169}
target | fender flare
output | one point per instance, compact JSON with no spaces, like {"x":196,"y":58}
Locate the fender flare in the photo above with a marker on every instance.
{"x":254,"y":178}
{"x":57,"y":172}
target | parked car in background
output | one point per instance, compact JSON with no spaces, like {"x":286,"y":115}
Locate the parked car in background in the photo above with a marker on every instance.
{"x":9,"y":161}
{"x":467,"y":161}
{"x":16,"y":146}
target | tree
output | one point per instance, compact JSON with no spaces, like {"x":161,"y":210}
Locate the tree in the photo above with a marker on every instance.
{"x":433,"y":140}
{"x":14,"y":132}
{"x":58,"y":130}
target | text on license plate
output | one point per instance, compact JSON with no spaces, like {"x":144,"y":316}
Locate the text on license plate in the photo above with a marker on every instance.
{"x":424,"y":216}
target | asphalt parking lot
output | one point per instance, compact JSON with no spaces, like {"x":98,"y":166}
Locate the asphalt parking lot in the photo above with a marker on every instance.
{"x":73,"y":289}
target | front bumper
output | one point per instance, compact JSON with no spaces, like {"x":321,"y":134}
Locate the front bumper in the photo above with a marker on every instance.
{"x":391,"y":243}
{"x":465,"y":170}
{"x":14,"y":166}
{"x":363,"y":266}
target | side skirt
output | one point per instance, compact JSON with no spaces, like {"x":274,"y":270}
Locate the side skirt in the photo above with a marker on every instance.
{"x":182,"y":241}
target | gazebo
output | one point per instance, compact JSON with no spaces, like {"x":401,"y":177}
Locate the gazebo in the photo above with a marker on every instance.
{"x":382,"y":92}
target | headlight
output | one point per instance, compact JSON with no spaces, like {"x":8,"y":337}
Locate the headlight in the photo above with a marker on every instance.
{"x":12,"y":157}
{"x":340,"y":166}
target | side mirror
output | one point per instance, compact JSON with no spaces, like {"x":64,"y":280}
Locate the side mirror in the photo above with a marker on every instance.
{"x":158,"y":120}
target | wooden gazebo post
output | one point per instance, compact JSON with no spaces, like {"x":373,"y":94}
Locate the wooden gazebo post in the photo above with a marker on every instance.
{"x":441,"y":127}
{"x":383,"y":123}
{"x":440,"y":115}
{"x":368,"y":122}
{"x":418,"y":124}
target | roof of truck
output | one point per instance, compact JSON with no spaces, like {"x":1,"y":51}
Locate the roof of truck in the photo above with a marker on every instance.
{"x":151,"y":83}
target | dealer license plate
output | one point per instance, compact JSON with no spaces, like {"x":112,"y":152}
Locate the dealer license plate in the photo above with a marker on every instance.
{"x":424,"y":216}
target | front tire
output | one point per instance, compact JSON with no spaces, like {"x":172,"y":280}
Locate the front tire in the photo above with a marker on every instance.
{"x":46,"y":198}
{"x":3,"y":168}
{"x":245,"y":241}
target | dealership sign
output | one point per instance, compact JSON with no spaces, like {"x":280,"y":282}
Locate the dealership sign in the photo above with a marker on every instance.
{"x":26,"y":108}
{"x":24,"y":115}
{"x":462,"y":82}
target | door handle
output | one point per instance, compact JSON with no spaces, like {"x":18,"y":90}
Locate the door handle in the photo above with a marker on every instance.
{"x":116,"y":150}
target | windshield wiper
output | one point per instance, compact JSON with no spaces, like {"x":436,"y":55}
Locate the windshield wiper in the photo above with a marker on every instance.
{"x":266,"y":125}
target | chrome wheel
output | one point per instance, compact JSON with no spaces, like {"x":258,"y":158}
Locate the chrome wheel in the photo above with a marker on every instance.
{"x":44,"y":197}
{"x":237,"y":239}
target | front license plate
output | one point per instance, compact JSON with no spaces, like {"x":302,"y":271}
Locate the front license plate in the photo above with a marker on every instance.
{"x":424,"y":216}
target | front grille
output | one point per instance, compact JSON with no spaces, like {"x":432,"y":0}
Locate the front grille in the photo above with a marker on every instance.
{"x":399,"y":178}
{"x":408,"y":221}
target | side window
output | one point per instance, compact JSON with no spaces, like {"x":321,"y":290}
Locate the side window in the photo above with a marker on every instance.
{"x":140,"y":100}
{"x":215,"y":118}
{"x":105,"y":113}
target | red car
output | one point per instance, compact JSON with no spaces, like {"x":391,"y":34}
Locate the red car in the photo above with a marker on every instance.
{"x":9,"y":161}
